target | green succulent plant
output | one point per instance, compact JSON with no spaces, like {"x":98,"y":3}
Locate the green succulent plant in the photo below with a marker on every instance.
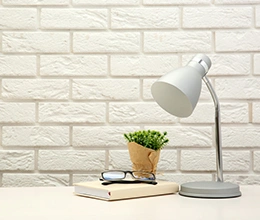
{"x":148,"y":138}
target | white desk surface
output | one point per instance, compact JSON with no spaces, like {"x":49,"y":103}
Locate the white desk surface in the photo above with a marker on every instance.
{"x":51,"y":203}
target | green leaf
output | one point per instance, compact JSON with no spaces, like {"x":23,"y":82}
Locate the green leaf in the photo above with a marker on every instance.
{"x":147,"y":138}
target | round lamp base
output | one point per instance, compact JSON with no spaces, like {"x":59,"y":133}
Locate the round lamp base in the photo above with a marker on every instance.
{"x":210,"y":189}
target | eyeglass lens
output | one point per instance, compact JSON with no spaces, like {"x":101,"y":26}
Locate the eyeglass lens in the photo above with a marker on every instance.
{"x":143,"y":175}
{"x":113,"y":175}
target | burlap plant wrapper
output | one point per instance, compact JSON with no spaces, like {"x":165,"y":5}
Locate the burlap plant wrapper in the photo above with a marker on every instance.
{"x":143,"y":159}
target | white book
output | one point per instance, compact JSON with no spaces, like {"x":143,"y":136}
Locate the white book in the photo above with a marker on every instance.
{"x":115,"y":191}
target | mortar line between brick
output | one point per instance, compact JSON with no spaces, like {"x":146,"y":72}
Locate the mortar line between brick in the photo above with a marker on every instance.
{"x":250,"y":112}
{"x":251,"y":168}
{"x":36,"y":160}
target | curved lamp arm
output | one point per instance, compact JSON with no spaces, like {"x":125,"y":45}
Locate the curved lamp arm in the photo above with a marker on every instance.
{"x":218,"y":143}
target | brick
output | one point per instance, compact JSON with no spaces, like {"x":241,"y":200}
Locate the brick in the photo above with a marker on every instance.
{"x":167,"y":160}
{"x":147,"y":84}
{"x":17,"y":18}
{"x":232,"y":41}
{"x":186,"y":136}
{"x":120,"y":160}
{"x":237,"y":88}
{"x":256,"y":160}
{"x":229,"y":113}
{"x":35,"y":180}
{"x":85,"y":177}
{"x":74,"y":18}
{"x":143,"y":18}
{"x":234,"y":113}
{"x":257,"y":17}
{"x":35,"y":136}
{"x":217,"y":17}
{"x":16,"y":160}
{"x":236,"y":1}
{"x":72,"y":65}
{"x":198,"y":160}
{"x":17,"y":65}
{"x":240,"y":136}
{"x":176,"y":41}
{"x":236,"y":161}
{"x":97,"y":89}
{"x":35,"y":2}
{"x":257,"y":64}
{"x":203,"y":113}
{"x":226,"y":64}
{"x":206,"y":161}
{"x":255,"y":112}
{"x":135,"y":65}
{"x":101,"y":136}
{"x":35,"y":42}
{"x":17,"y":112}
{"x":106,"y":42}
{"x":71,"y":160}
{"x":242,"y":179}
{"x":181,"y":178}
{"x":138,"y":113}
{"x":35,"y":89}
{"x":175,"y":2}
{"x":105,"y":2}
{"x":72,"y":112}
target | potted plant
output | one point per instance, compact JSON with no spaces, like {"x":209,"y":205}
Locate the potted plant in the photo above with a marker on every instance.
{"x":144,"y":147}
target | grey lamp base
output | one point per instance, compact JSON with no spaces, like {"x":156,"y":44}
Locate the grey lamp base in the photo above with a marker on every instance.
{"x":210,"y":189}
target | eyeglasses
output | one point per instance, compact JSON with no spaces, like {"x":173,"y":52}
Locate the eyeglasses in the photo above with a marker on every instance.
{"x":118,"y":176}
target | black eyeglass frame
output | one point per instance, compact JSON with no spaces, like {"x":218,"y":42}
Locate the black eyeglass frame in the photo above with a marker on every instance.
{"x":121,"y":180}
{"x":125,"y":173}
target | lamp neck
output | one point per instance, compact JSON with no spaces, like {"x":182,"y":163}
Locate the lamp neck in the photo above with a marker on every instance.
{"x":218,"y":144}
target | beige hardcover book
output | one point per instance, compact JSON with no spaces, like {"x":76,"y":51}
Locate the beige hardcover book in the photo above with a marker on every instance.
{"x":95,"y":189}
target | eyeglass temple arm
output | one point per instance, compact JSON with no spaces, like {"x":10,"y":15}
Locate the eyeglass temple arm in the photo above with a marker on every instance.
{"x":129,"y":182}
{"x":218,"y":144}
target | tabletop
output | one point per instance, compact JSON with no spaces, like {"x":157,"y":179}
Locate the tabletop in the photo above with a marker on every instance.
{"x":51,"y":203}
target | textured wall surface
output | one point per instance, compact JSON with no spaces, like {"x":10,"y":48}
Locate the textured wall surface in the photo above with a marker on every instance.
{"x":76,"y":74}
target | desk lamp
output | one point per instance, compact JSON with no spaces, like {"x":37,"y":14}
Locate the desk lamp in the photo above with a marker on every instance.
{"x":178,"y":93}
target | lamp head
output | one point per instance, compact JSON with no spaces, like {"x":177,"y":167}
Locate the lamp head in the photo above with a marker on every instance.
{"x":178,"y":91}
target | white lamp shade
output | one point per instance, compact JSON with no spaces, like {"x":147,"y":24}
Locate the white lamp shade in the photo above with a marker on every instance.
{"x":178,"y":91}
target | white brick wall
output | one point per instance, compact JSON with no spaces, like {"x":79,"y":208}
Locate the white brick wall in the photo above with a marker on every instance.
{"x":75,"y":75}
